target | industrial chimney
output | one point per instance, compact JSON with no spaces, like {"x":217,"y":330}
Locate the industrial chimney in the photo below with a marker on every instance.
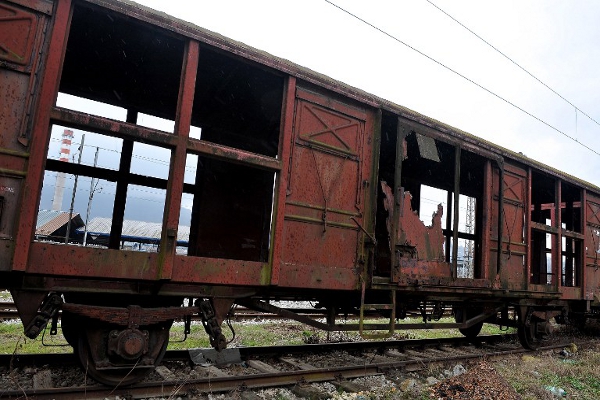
{"x":59,"y":187}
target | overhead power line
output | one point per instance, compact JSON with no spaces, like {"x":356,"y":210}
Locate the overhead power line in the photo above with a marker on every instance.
{"x":464,"y":77}
{"x":514,"y":62}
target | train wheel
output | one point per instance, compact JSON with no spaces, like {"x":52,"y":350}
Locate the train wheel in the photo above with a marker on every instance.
{"x":70,"y":325}
{"x":115,"y":356}
{"x":472,"y":331}
{"x":118,"y":377}
{"x":531,"y":330}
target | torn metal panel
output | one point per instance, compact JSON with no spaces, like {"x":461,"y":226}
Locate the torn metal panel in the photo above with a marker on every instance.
{"x":413,"y":237}
{"x":427,"y":148}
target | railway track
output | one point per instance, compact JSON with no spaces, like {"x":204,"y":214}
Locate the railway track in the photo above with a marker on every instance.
{"x":246,"y":369}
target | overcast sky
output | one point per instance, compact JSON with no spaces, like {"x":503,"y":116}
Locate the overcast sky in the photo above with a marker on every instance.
{"x":557,"y":41}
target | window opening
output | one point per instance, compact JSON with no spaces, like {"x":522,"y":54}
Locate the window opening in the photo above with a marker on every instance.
{"x":571,"y":262}
{"x":191,"y":163}
{"x":70,"y":192}
{"x":125,"y":70}
{"x":162,"y":124}
{"x":185,"y":221}
{"x":80,"y":181}
{"x":195,"y":132}
{"x":431,"y":198}
{"x":98,"y":150}
{"x":237,"y":104}
{"x":543,"y":218}
{"x":548,"y":255}
{"x":571,"y":246}
{"x":427,"y":187}
{"x":142,"y":223}
{"x":231,"y":211}
{"x":92,"y":107}
{"x":114,"y":63}
{"x":150,"y":160}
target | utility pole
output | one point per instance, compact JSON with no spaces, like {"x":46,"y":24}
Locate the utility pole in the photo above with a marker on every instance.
{"x":89,"y":205}
{"x":74,"y":191}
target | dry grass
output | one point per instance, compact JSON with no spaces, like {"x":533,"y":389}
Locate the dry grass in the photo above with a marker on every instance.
{"x":578,"y":375}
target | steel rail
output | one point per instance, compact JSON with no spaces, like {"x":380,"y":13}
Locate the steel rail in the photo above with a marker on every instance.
{"x":260,"y":380}
{"x":27,"y":359}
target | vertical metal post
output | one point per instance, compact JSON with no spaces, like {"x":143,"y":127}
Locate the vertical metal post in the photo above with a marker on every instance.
{"x":528,"y":206}
{"x":456,"y":211}
{"x":585,"y":244}
{"x":398,"y":200}
{"x":116,"y":228}
{"x":450,"y":205}
{"x":487,"y":220}
{"x":500,"y":215}
{"x":367,"y":241}
{"x":31,"y":189}
{"x":183,"y":120}
{"x":286,"y":140}
{"x":557,"y":252}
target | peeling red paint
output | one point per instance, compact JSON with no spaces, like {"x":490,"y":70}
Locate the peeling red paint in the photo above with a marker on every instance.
{"x":422,"y":242}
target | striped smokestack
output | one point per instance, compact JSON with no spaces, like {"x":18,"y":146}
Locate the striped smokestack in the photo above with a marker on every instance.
{"x":59,"y":187}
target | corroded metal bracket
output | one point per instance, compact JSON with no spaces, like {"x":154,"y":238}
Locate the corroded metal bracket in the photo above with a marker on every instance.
{"x":132,"y":316}
{"x":47,"y":311}
{"x":211,"y":324}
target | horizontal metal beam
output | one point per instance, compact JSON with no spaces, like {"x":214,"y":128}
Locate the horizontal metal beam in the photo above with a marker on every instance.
{"x":233,"y":155}
{"x":103,"y":173}
{"x":129,"y":131}
{"x":111,"y":127}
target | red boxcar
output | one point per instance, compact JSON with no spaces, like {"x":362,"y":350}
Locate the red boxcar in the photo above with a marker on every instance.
{"x":260,"y":180}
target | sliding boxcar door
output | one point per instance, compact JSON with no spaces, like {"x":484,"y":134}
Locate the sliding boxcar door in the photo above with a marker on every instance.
{"x":328,"y":183}
{"x":512,"y":245}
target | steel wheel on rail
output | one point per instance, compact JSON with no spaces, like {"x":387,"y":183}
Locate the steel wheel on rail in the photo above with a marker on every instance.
{"x":472,"y":331}
{"x":72,"y":327}
{"x":531,"y":329}
{"x":119,"y":356}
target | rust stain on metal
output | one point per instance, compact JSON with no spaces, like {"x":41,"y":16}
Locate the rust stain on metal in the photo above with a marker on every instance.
{"x":422,"y":242}
{"x":131,"y":315}
{"x":17,"y":34}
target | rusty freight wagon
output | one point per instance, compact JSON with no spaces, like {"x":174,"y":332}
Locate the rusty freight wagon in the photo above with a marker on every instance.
{"x":296,"y":187}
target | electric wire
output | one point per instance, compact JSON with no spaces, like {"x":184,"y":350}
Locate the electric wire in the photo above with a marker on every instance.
{"x":515,"y":63}
{"x":109,"y":193}
{"x":463,"y":76}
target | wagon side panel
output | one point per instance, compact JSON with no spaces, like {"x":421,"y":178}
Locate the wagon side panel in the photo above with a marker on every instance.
{"x":327,"y":191}
{"x":23,"y":34}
